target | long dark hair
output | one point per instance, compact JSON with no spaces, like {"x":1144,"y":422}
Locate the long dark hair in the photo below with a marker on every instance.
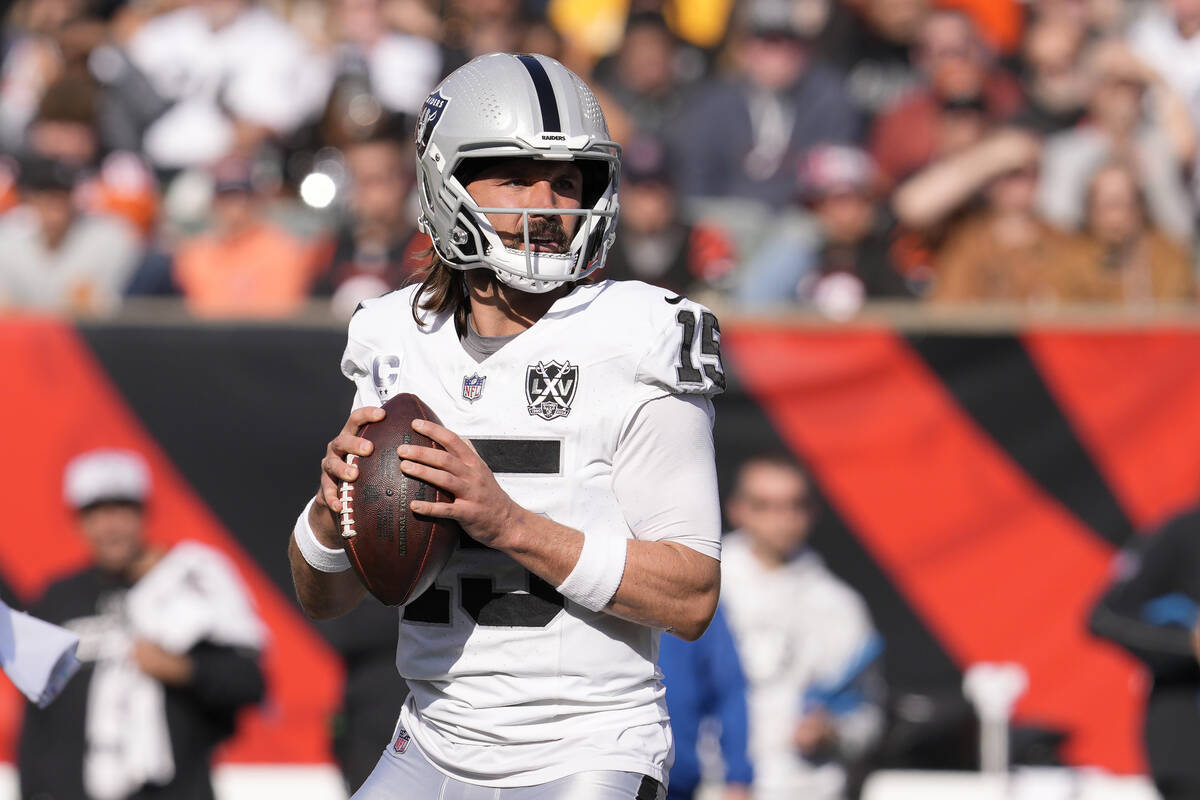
{"x":442,"y":288}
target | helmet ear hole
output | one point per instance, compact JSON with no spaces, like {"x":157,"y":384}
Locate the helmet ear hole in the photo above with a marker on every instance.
{"x":595,"y":179}
{"x":595,"y":243}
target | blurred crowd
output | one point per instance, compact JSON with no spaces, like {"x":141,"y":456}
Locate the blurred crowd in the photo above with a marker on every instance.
{"x":252,"y":156}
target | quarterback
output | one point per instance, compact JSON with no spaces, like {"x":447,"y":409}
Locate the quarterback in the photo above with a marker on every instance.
{"x":578,"y":448}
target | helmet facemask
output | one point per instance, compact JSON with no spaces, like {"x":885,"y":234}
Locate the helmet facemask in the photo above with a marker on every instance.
{"x":474,"y":241}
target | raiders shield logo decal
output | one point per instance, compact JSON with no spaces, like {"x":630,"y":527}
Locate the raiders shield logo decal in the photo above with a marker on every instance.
{"x":550,"y":388}
{"x":431,"y":112}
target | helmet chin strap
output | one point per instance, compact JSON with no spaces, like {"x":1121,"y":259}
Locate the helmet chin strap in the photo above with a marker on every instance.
{"x":526,"y":284}
{"x":516,"y":267}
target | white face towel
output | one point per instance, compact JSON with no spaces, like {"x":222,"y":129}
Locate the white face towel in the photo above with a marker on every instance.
{"x":128,"y":741}
{"x":37,"y":656}
{"x":193,"y":594}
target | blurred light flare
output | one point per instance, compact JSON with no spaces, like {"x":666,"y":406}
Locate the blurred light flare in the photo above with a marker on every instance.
{"x":318,"y":190}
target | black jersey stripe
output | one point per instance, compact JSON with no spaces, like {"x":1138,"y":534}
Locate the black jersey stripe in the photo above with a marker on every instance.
{"x":521,"y":456}
{"x":545,"y":93}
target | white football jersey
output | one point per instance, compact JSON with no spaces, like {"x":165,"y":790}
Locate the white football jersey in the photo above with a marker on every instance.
{"x":512,"y":684}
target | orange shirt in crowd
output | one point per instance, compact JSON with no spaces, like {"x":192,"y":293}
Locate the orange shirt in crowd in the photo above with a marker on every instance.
{"x":261,"y":272}
{"x":1157,"y":270}
{"x":975,"y":265}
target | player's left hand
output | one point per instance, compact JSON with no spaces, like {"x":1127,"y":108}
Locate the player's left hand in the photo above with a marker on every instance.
{"x":481,"y":507}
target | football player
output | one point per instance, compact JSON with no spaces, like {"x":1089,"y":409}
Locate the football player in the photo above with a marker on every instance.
{"x":578,"y":447}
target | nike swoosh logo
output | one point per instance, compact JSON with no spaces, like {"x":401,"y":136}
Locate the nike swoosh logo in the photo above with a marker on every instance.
{"x":674,"y":300}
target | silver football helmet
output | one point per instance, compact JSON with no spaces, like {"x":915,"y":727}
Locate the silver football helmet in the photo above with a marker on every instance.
{"x":502,"y":105}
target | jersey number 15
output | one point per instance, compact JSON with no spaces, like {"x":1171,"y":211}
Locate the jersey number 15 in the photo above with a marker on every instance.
{"x":477,"y":596}
{"x":710,"y":349}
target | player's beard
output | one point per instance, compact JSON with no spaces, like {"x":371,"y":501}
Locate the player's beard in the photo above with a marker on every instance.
{"x":546,"y":231}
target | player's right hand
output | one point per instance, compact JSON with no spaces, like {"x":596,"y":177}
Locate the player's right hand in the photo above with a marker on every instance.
{"x":334,"y":469}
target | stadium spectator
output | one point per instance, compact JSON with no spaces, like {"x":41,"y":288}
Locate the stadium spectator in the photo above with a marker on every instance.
{"x":129,"y":102}
{"x":64,"y":127}
{"x":841,"y":256}
{"x":1054,"y":81}
{"x":31,"y":60}
{"x":741,"y":137}
{"x":1149,"y":610}
{"x":375,"y":249}
{"x":400,"y":68}
{"x":416,"y":18}
{"x":53,"y":256}
{"x":169,"y":641}
{"x":1132,"y":114}
{"x":1100,"y":18}
{"x":705,"y":684}
{"x":235,"y":74}
{"x":1133,"y":262}
{"x":245,"y":265}
{"x":643,"y":76}
{"x":873,"y":43}
{"x":960,"y":73}
{"x":655,"y":244}
{"x":993,"y":245}
{"x":475,"y":27}
{"x":65,"y":130}
{"x":539,"y":36}
{"x":1166,"y":36}
{"x":809,"y":649}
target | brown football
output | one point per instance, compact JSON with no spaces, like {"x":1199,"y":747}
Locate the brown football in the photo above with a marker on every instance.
{"x":396,"y":553}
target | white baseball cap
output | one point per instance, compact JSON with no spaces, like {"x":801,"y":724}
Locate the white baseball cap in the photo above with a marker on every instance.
{"x":106,"y":475}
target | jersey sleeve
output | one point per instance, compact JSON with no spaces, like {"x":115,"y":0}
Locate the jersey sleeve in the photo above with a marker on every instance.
{"x":684,"y":353}
{"x":665,"y":477}
{"x":358,"y":362}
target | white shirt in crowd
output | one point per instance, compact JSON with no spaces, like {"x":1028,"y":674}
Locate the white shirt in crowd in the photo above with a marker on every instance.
{"x":256,"y":68}
{"x":87,"y":271}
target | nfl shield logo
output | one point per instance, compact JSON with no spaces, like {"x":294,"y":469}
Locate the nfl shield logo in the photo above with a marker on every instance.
{"x":473,"y":387}
{"x":550,"y":388}
{"x":402,"y":739}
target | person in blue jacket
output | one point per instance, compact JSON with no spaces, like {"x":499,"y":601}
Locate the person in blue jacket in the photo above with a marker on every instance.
{"x":704,"y":680}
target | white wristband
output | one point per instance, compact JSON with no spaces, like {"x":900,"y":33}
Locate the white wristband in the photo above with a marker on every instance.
{"x":597,"y":573}
{"x":318,"y":556}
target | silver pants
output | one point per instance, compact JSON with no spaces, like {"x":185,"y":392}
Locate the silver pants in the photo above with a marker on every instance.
{"x":410,"y":776}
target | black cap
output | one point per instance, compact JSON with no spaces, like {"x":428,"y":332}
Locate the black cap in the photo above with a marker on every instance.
{"x":40,"y":174}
